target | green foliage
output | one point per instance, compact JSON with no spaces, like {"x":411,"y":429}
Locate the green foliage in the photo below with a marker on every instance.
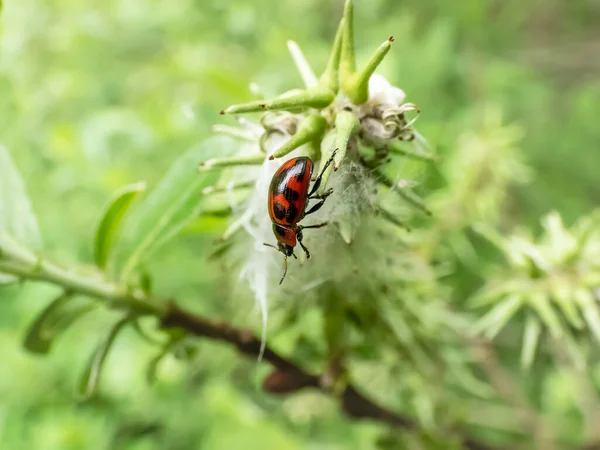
{"x":168,"y":207}
{"x":88,"y":383}
{"x":111,"y":221}
{"x":18,"y":223}
{"x":93,"y":102}
{"x":54,"y":320}
{"x":555,"y":278}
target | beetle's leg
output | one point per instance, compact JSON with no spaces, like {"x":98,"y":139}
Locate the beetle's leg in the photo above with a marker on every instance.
{"x":315,"y":207}
{"x":320,"y":177}
{"x":305,"y":250}
{"x":318,"y":205}
{"x":299,"y":236}
{"x":318,"y":225}
{"x":326,"y":194}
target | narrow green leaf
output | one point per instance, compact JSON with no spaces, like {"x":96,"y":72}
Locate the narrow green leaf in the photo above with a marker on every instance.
{"x":495,"y":238}
{"x":17,"y":219}
{"x":61,"y":313}
{"x":136,"y":325}
{"x":576,"y":351}
{"x":565,"y":299}
{"x":235,"y":132}
{"x":251,"y":159}
{"x":491,"y":324}
{"x":152,"y":368}
{"x":90,"y":378}
{"x":112,"y":218}
{"x":171,"y":205}
{"x":540,"y":302}
{"x":589,"y":307}
{"x":392,"y":218}
{"x":306,"y":73}
{"x":412,"y":198}
{"x":491,"y":292}
{"x":531,"y":337}
{"x":396,"y":147}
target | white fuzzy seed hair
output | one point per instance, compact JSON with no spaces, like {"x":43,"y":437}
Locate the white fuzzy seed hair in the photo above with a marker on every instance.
{"x":259,"y":266}
{"x":354,"y":193}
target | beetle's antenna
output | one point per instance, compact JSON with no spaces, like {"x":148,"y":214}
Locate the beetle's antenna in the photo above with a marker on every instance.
{"x":285,"y":269}
{"x":270,"y":245}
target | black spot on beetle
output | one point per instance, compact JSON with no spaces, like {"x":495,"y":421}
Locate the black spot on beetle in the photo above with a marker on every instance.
{"x":279,"y":211}
{"x":291,"y":214}
{"x":279,"y":230}
{"x":300,"y":177}
{"x":290,"y":194}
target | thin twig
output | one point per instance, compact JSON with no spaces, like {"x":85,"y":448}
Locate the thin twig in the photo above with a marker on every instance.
{"x":287,"y":377}
{"x":353,"y":403}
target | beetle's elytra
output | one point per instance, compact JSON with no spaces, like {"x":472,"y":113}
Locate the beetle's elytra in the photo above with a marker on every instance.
{"x":288,"y":199}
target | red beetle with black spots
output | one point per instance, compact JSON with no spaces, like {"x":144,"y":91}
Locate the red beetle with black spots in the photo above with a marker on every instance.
{"x":288,"y":199}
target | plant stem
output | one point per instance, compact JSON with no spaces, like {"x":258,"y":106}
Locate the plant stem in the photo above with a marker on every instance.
{"x":114,"y":295}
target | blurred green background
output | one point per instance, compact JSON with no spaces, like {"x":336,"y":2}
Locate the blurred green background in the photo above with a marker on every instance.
{"x":95,"y":95}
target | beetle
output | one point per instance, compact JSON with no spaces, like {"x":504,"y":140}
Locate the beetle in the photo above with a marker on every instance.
{"x":288,"y":199}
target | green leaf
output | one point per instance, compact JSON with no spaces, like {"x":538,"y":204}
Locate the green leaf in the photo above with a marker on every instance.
{"x":491,"y":324}
{"x":491,"y":292}
{"x":17,"y":219}
{"x":564,"y":298}
{"x":306,"y":73}
{"x":90,"y":378}
{"x":111,"y":221}
{"x":540,"y":302}
{"x":152,"y":368}
{"x":52,"y":321}
{"x":531,"y":337}
{"x":589,"y":307}
{"x":171,"y":205}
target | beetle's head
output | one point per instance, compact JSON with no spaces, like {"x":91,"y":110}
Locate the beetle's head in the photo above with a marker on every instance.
{"x":286,"y":249}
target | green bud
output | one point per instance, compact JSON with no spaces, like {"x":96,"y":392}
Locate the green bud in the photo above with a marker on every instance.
{"x":327,"y":148}
{"x":311,"y":129}
{"x":244,"y":160}
{"x":347,"y":53}
{"x":329,"y":78}
{"x":253,"y":106}
{"x":316,"y":97}
{"x":346,"y":124}
{"x":355,"y":85}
